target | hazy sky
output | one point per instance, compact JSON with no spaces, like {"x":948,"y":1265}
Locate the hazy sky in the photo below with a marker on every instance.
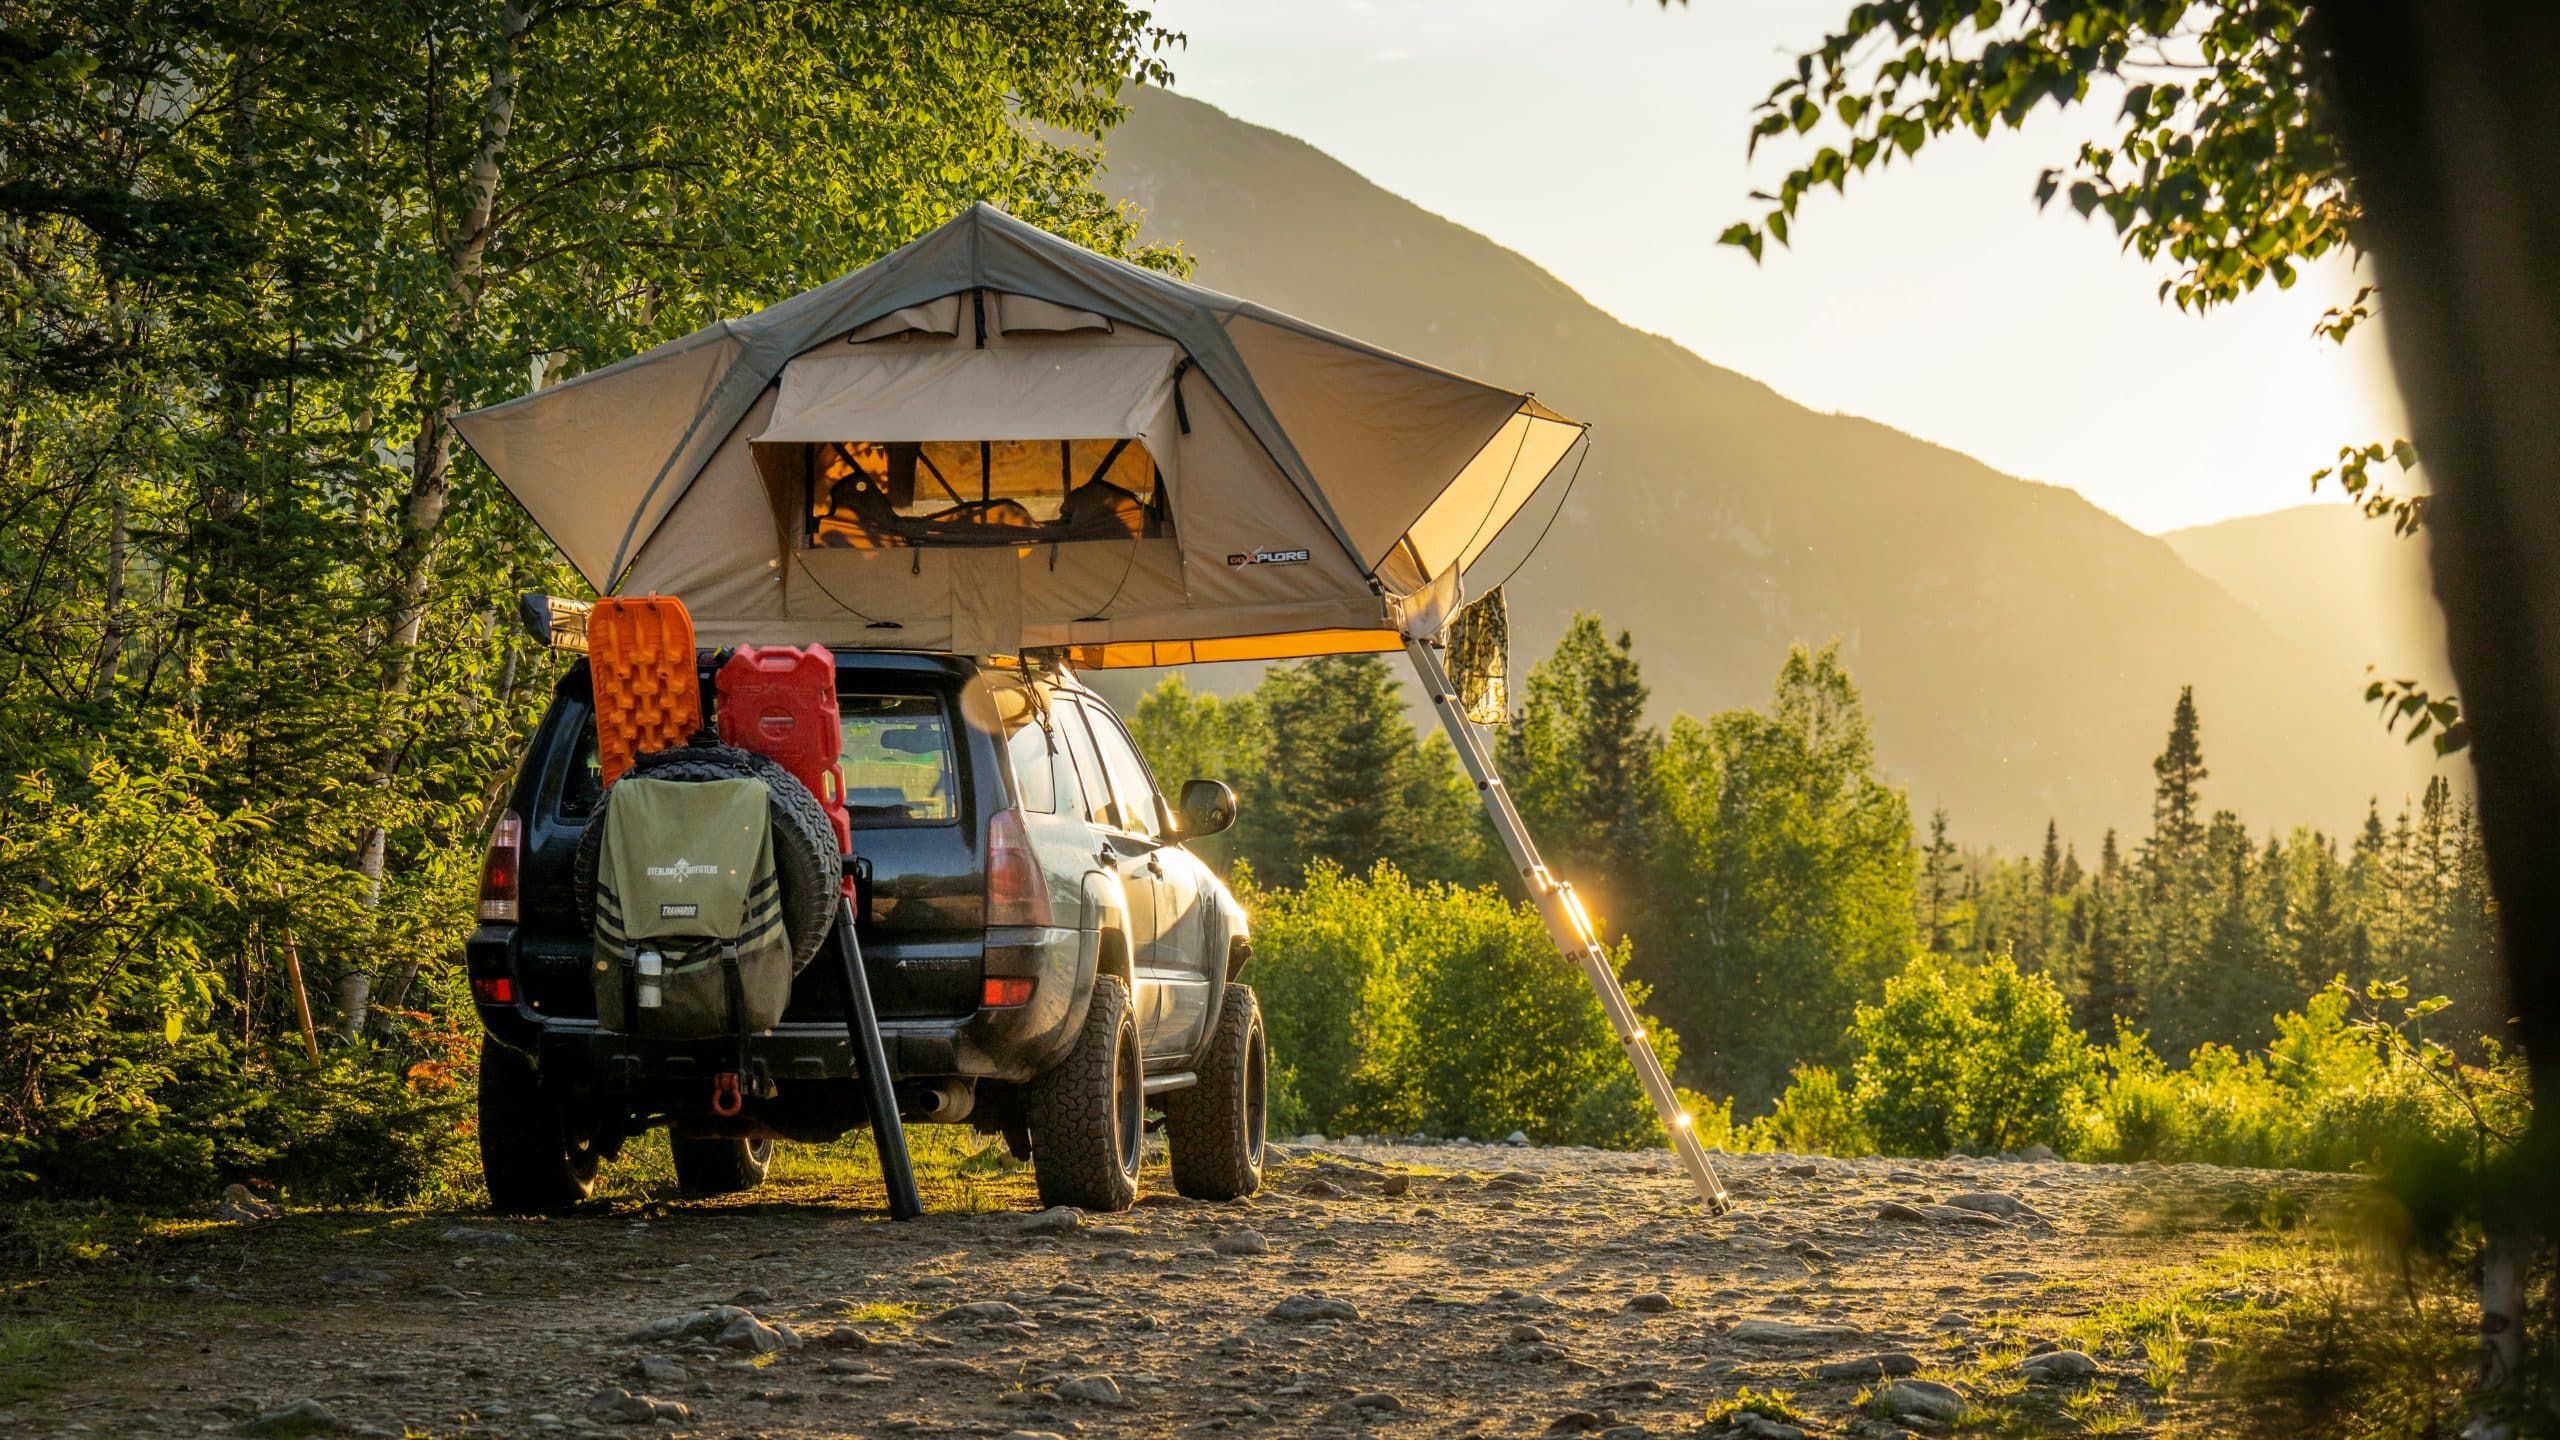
{"x":1604,"y":140}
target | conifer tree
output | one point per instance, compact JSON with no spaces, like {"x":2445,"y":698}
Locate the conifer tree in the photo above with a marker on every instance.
{"x":2319,"y":937}
{"x":1579,"y":760}
{"x":2176,"y":832}
{"x":1937,"y":880}
{"x":2175,"y":917}
{"x":1347,"y":780}
{"x":2106,"y":1000}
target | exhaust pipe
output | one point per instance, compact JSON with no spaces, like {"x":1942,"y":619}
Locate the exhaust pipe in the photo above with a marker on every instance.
{"x":938,"y":1102}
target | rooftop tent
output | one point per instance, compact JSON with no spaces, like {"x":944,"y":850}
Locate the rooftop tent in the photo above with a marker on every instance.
{"x":995,"y":440}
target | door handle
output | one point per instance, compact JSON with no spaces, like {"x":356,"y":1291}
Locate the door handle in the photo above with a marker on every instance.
{"x":1155,"y":864}
{"x":1105,"y":858}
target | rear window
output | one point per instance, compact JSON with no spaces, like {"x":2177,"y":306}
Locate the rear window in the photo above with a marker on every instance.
{"x":897,"y":763}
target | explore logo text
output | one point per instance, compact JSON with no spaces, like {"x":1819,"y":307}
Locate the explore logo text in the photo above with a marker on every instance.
{"x":1268,"y":557}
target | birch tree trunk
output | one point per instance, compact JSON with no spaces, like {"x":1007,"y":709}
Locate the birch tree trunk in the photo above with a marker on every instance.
{"x":466,"y":247}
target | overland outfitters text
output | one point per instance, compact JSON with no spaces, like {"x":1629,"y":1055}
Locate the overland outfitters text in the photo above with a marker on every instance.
{"x":681,"y":870}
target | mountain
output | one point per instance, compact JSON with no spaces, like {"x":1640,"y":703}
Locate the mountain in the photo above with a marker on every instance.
{"x":2339,"y":586}
{"x":2020,"y":650}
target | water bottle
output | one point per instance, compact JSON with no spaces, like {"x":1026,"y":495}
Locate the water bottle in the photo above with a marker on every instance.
{"x":652,"y":966}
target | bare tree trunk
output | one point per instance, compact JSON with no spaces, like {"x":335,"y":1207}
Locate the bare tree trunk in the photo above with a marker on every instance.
{"x":2448,"y":108}
{"x":102,"y":680}
{"x":301,"y":998}
{"x":431,"y":465}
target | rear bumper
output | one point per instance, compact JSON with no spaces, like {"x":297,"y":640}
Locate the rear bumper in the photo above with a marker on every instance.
{"x":1012,"y":1043}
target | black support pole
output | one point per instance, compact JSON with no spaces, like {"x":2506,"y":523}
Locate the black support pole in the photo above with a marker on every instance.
{"x":862,"y":1026}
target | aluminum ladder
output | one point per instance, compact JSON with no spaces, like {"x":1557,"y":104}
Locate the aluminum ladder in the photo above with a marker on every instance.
{"x":1568,"y":923}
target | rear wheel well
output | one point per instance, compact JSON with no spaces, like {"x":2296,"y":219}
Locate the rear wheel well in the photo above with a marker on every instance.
{"x":1113,"y":958}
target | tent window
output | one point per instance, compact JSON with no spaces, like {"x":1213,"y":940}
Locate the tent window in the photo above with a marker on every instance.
{"x":865,"y":496}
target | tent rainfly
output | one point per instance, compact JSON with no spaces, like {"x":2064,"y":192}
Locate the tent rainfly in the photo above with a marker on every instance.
{"x":994,"y":441}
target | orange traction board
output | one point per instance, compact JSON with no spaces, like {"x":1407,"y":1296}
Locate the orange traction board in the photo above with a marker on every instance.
{"x":648,"y":696}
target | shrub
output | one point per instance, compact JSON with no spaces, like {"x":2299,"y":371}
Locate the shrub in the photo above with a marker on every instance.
{"x":125,"y":1071}
{"x":2335,"y":1091}
{"x":1970,"y":1057}
{"x":2141,"y":1106}
{"x":1815,"y":1116}
{"x":1330,"y":1007}
{"x":1394,"y":1006}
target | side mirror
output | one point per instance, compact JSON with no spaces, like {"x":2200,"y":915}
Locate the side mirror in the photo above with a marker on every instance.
{"x":555,"y":620}
{"x":1208,"y":807}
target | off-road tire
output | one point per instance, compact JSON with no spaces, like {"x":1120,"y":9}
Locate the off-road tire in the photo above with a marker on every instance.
{"x":806,"y":863}
{"x":533,"y":1162}
{"x":717,"y":1166}
{"x":1215,"y":1128}
{"x":1088,"y":1112}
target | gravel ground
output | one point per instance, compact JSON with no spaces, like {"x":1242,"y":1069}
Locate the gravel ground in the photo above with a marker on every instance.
{"x":1394,"y":1289}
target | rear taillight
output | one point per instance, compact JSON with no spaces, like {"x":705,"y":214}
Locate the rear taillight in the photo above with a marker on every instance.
{"x":1000,"y":992}
{"x":501,"y":870}
{"x":501,"y":991}
{"x":1017,"y":893}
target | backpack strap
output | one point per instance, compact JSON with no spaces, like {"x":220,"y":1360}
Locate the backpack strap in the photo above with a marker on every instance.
{"x":737,"y":989}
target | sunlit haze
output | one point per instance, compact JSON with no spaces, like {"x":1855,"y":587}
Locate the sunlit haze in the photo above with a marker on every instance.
{"x":1605,"y":142}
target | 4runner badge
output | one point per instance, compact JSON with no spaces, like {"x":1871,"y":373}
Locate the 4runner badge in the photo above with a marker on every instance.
{"x":680,"y":870}
{"x":1268,"y":557}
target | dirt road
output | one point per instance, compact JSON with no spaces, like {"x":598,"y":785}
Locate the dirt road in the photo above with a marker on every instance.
{"x":1387,"y":1289}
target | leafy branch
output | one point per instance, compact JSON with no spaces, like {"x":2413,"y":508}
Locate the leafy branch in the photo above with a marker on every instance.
{"x":2408,"y":700}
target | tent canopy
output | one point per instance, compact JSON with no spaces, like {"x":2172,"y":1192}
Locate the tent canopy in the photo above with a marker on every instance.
{"x":994,"y":440}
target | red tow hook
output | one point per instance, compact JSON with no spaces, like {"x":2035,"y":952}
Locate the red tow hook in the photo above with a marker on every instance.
{"x":726,"y":1098}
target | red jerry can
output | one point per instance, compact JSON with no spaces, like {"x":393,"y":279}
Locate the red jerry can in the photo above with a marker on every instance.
{"x":648,"y":697}
{"x":781,"y":703}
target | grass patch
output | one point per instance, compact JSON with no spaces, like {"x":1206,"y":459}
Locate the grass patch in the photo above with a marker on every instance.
{"x":2316,"y":1323}
{"x":2096,"y":1411}
{"x":1775,"y":1404}
{"x":32,"y":1353}
{"x":885,"y":1312}
{"x":957,"y":1170}
{"x":2164,"y":1359}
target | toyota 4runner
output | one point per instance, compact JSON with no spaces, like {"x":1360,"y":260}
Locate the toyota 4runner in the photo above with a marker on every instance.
{"x":1047,"y":959}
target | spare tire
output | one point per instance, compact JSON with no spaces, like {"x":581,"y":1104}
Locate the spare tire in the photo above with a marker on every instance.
{"x":808,"y":870}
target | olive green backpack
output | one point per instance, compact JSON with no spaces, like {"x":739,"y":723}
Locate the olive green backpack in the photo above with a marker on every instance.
{"x":690,"y":942}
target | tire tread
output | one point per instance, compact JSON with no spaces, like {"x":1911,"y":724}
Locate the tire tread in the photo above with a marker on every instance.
{"x":1074,"y":1157}
{"x":1204,"y":1124}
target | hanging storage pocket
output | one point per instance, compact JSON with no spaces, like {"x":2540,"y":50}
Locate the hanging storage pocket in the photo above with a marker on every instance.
{"x":690,"y":941}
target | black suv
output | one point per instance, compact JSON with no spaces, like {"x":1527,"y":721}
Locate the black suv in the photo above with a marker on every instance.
{"x":1048,"y":961}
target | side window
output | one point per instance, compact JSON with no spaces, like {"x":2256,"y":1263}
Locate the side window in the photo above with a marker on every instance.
{"x":1129,"y":782}
{"x":580,"y":788}
{"x":1088,"y":762}
{"x":1035,"y":772}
